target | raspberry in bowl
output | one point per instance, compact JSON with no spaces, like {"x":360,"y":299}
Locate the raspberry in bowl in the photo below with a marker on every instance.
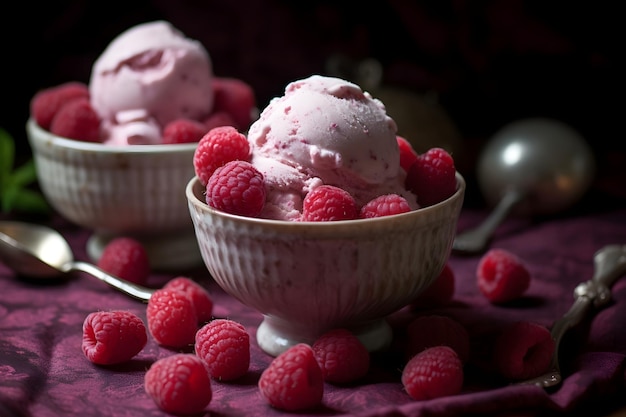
{"x":314,"y":223}
{"x":114,"y":155}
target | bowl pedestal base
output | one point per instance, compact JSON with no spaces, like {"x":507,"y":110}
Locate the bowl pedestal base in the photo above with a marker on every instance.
{"x":166,"y":252}
{"x":275,"y":335}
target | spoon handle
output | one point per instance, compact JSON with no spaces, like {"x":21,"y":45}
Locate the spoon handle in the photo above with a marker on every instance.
{"x":476,"y":240}
{"x":609,"y":265}
{"x":134,"y":290}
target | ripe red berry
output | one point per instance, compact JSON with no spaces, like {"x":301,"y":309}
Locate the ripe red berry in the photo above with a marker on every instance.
{"x":179,"y":384}
{"x":523,"y":350}
{"x":218,"y":119}
{"x":293,"y":380}
{"x":433,"y":373}
{"x":217,"y":147}
{"x":237,"y":188}
{"x":172,"y":319}
{"x":408,"y":155}
{"x":126,"y":258}
{"x":183,"y":131}
{"x":77,"y":119}
{"x":502,"y":276}
{"x":436,"y":330}
{"x":235,"y":97}
{"x":384,"y":205}
{"x":432,"y":177}
{"x":342,"y":356}
{"x":46,"y":103}
{"x":199,"y":296}
{"x":225,"y":346}
{"x":328,"y":203}
{"x":111,"y":337}
{"x":439,"y":292}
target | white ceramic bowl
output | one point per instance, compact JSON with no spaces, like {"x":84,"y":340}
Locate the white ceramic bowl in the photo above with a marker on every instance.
{"x":307,"y":278}
{"x":136,"y":191}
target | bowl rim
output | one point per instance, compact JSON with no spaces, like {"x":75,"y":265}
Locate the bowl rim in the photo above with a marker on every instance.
{"x":205,"y":208}
{"x":38,"y":134}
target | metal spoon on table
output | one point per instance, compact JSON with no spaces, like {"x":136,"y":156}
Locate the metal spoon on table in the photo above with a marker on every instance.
{"x":609,"y":266}
{"x":532,"y":166}
{"x":41,"y":252}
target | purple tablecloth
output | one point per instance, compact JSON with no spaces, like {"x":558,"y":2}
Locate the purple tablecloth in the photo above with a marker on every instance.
{"x":43,"y":371}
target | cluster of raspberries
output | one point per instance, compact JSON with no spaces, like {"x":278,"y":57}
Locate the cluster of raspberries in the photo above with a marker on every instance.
{"x":234,"y":185}
{"x":66,"y":111}
{"x":179,"y":315}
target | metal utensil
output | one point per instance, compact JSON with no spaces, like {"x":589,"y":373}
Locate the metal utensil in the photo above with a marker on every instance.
{"x":532,"y":166}
{"x":41,"y":252}
{"x":609,"y":265}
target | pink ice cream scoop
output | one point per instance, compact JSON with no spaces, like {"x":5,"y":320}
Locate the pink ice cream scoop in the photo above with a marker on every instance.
{"x":325,"y":130}
{"x":150,"y":75}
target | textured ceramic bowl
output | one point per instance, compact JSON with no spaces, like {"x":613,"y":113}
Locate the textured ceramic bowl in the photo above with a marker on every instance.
{"x":136,"y":191}
{"x":307,"y":278}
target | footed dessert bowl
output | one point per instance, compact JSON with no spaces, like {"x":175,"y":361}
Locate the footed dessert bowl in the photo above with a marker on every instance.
{"x":309,"y":277}
{"x":134,"y":190}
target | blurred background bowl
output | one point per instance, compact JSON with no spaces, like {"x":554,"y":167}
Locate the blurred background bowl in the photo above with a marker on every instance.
{"x":307,"y":278}
{"x":136,"y":191}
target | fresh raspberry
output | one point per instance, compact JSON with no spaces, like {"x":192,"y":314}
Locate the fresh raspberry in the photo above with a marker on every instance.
{"x":342,"y":356}
{"x":235,"y":97}
{"x":384,"y":205}
{"x":183,"y":131}
{"x":46,"y":103}
{"x":179,"y":384}
{"x":328,"y":203}
{"x":432,"y":177}
{"x":438,"y":293}
{"x":523,"y":350}
{"x":77,"y":120}
{"x":225,"y":346}
{"x":408,"y":155}
{"x":126,"y":258}
{"x":436,"y":330}
{"x":111,"y":337}
{"x":293,"y":380}
{"x":502,"y":276}
{"x":172,"y":319}
{"x":218,"y":119}
{"x":199,"y":296}
{"x":237,"y":188}
{"x":217,"y":147}
{"x":433,"y":373}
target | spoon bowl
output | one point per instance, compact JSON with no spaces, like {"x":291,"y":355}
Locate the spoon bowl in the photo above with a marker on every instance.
{"x":41,"y":252}
{"x":548,"y":161}
{"x":529,"y":167}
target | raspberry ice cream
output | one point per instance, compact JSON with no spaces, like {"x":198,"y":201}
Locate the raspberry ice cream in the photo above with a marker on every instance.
{"x":150,"y":75}
{"x":325,"y":130}
{"x":151,"y":85}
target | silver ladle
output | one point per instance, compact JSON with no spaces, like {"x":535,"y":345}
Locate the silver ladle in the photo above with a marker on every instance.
{"x":529,"y":167}
{"x":41,"y":252}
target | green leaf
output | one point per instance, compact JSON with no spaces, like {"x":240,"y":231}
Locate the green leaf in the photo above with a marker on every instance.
{"x":9,"y":195}
{"x":25,"y":174}
{"x":7,"y":155}
{"x":26,"y":200}
{"x":14,"y":196}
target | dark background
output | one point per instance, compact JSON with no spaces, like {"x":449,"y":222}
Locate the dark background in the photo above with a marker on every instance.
{"x":486,"y":63}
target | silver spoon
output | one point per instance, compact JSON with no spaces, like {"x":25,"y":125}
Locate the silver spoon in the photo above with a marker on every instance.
{"x":609,"y":266}
{"x":41,"y":252}
{"x":532,"y":166}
